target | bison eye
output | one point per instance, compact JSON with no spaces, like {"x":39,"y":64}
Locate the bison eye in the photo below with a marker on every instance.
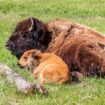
{"x":24,"y":35}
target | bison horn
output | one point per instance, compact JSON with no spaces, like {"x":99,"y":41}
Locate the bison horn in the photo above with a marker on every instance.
{"x":32,"y":24}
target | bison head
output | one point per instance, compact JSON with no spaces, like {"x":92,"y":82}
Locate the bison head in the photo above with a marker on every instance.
{"x":28,"y":34}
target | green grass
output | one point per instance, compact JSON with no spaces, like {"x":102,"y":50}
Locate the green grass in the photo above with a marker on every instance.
{"x":89,"y":12}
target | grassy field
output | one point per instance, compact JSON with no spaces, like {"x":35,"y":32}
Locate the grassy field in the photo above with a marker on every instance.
{"x":91,"y":91}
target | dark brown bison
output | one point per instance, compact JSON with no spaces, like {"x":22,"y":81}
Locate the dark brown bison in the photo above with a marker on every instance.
{"x":28,"y":34}
{"x":81,"y":47}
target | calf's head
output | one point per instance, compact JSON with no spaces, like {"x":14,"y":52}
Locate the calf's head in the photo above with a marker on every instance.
{"x":29,"y":59}
{"x":28,"y":34}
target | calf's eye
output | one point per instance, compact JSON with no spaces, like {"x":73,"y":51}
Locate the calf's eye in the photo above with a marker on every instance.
{"x":25,"y":58}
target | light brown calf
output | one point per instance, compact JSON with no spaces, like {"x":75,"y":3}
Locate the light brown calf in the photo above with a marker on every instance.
{"x":50,"y":68}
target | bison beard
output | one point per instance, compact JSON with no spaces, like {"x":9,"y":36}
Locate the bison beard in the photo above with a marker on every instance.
{"x":81,"y":47}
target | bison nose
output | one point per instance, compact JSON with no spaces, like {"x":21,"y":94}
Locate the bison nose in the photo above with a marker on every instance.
{"x":10,"y":46}
{"x":19,"y":65}
{"x":7,"y":46}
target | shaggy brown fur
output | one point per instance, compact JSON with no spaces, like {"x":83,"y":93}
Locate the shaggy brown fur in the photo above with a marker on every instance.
{"x":81,"y":47}
{"x":66,"y":28}
{"x":50,"y":68}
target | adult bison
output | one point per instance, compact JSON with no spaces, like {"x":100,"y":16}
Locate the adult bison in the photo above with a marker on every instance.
{"x":81,"y":47}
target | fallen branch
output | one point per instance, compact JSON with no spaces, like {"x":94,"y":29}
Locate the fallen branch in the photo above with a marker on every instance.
{"x":21,"y":84}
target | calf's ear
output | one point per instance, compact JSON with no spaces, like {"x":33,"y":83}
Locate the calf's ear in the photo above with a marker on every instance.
{"x":33,"y":55}
{"x":36,"y":54}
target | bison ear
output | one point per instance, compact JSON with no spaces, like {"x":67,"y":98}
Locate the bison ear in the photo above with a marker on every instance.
{"x":32,"y":24}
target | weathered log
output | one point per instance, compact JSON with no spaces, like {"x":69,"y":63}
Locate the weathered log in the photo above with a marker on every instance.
{"x":21,"y":84}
